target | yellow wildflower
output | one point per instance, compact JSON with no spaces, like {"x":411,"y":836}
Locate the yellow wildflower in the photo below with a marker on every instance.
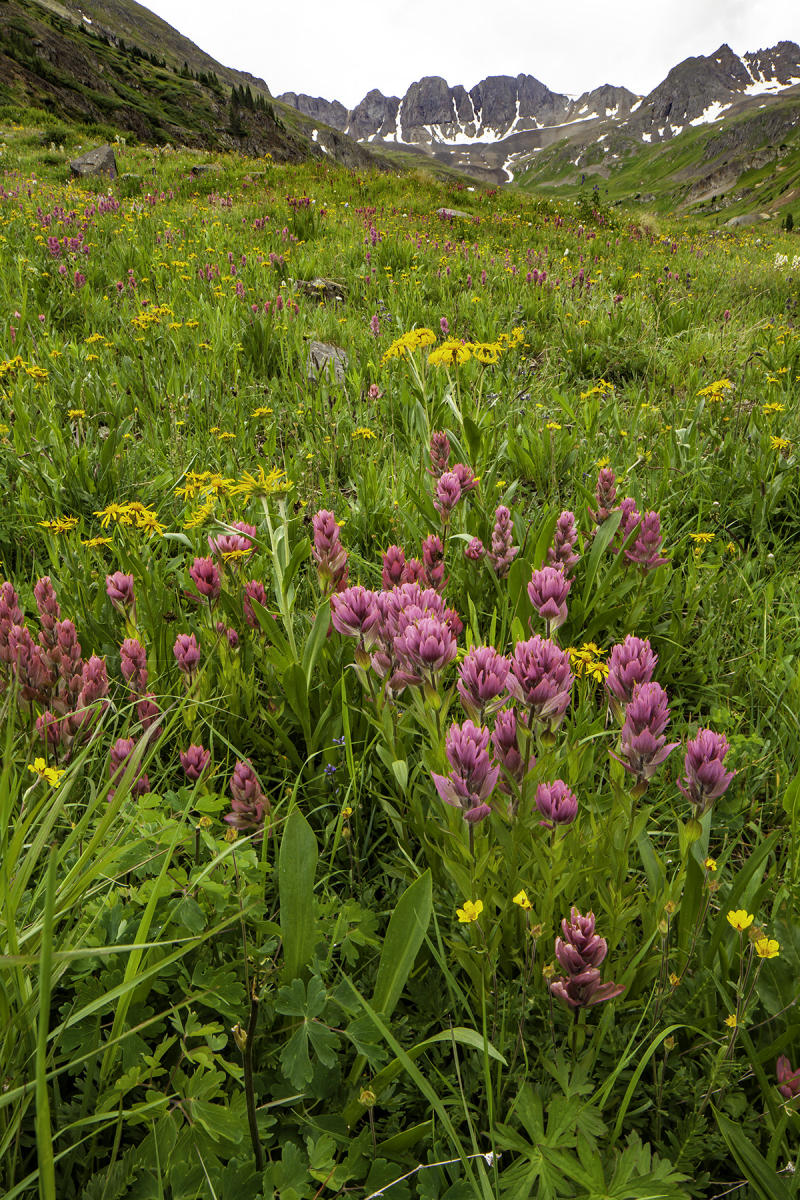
{"x":450,"y":354}
{"x":51,"y":775}
{"x":74,"y":414}
{"x":710,"y":864}
{"x":261,"y":484}
{"x":740,"y":919}
{"x":732,"y":1022}
{"x":60,"y":525}
{"x":470,"y":912}
{"x":766,"y":947}
{"x":522,"y":900}
{"x":779,"y":443}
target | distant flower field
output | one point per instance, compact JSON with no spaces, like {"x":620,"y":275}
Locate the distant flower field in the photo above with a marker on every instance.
{"x":399,"y":680}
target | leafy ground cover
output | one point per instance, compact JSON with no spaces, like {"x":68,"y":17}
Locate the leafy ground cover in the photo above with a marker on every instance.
{"x":399,"y":781}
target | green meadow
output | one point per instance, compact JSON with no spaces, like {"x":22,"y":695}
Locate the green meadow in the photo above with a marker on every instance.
{"x":399,"y":682}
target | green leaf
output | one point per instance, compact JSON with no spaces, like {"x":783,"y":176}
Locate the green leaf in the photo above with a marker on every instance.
{"x":296,"y":692}
{"x":295,"y":1059}
{"x":767,"y":1183}
{"x":316,"y":640}
{"x":404,"y":936}
{"x":297,"y":865}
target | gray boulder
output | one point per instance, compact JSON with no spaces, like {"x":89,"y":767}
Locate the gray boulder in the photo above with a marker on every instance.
{"x":100,"y":161}
{"x":320,"y":356}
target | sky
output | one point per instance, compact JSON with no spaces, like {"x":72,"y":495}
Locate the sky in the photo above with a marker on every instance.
{"x":341,"y":49}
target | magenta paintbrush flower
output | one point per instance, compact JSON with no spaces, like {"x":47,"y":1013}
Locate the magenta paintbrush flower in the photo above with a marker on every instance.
{"x":548,"y":591}
{"x":249,"y":805}
{"x":206,"y":578}
{"x":119,"y":589}
{"x":605,"y":496}
{"x":448,"y":494}
{"x":253,"y":590}
{"x":394,"y":568}
{"x":643,"y":746}
{"x":562,"y":553}
{"x":440,"y":453}
{"x":631,"y":662}
{"x":580,"y":953}
{"x":556,"y":803}
{"x":433,"y":562}
{"x":788,"y":1080}
{"x":328,"y":552}
{"x":507,"y":752}
{"x":543,"y":673}
{"x":646,"y":550}
{"x":706,"y":778}
{"x":194,"y":762}
{"x":473,"y":776}
{"x":474,"y":551}
{"x":502,"y":553}
{"x":484,"y":682}
{"x":187,"y":653}
{"x":466,"y":477}
{"x":133,"y":661}
{"x":121,"y":752}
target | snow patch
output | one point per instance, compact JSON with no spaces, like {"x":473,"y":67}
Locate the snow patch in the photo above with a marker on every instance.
{"x":647,"y":137}
{"x":762,"y":86}
{"x":711,"y":114}
{"x":635,"y":107}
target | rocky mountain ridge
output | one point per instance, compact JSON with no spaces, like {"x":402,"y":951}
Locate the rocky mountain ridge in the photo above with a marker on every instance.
{"x":503,"y":117}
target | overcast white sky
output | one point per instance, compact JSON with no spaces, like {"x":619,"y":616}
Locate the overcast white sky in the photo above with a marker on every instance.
{"x":340,"y":49}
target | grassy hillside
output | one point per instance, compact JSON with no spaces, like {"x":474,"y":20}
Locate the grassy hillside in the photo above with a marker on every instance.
{"x":129,"y":73}
{"x":399,"y":785}
{"x":750,"y":163}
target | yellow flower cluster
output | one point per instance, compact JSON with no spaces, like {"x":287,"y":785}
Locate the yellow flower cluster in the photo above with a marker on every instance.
{"x":716,"y":391}
{"x":133,"y":514}
{"x":600,"y":389}
{"x":408,"y":342}
{"x":365,"y":434}
{"x":587,"y":663}
{"x":765,"y":947}
{"x":273,"y":483}
{"x":17,"y":366}
{"x":151,"y":316}
{"x":59,"y":525}
{"x":205,"y":483}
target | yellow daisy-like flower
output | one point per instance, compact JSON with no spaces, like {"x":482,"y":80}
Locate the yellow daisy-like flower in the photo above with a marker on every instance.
{"x":74,"y":414}
{"x":779,"y":443}
{"x":731,"y":1021}
{"x":261,"y":484}
{"x":94,"y":542}
{"x":364,"y":433}
{"x":552,"y":425}
{"x":51,"y":775}
{"x":470,"y":912}
{"x":450,"y":354}
{"x":701,"y":539}
{"x":59,"y":525}
{"x":767,"y":947}
{"x":710,"y":864}
{"x":522,"y":900}
{"x":262,"y":412}
{"x":740,"y":919}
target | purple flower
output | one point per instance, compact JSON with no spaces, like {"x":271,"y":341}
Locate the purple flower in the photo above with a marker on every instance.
{"x":444,"y":325}
{"x":484,"y":683}
{"x":119,"y":589}
{"x":394,"y":567}
{"x":645,"y":551}
{"x":375,"y":325}
{"x":148,"y":711}
{"x":643,"y":744}
{"x":466,"y":477}
{"x":206,"y":578}
{"x":238,"y":543}
{"x":507,"y":752}
{"x":543,"y":673}
{"x":230,"y":635}
{"x":328,"y":552}
{"x":557,"y":804}
{"x":448,"y":494}
{"x":548,"y":591}
{"x":355,"y":613}
{"x":788,"y":1080}
{"x":562,"y":552}
{"x":133,"y":661}
{"x":433,"y":562}
{"x":187,"y":653}
{"x":632,"y":662}
{"x":628,"y":522}
{"x":425,"y":647}
{"x":440,"y":453}
{"x":706,"y":778}
{"x":249,"y":805}
{"x":473,"y":776}
{"x":475,"y":550}
{"x":120,"y":753}
{"x":49,"y":610}
{"x":605,"y":496}
{"x":580,"y":953}
{"x":194,"y":761}
{"x":502,"y":553}
{"x":253,"y":590}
